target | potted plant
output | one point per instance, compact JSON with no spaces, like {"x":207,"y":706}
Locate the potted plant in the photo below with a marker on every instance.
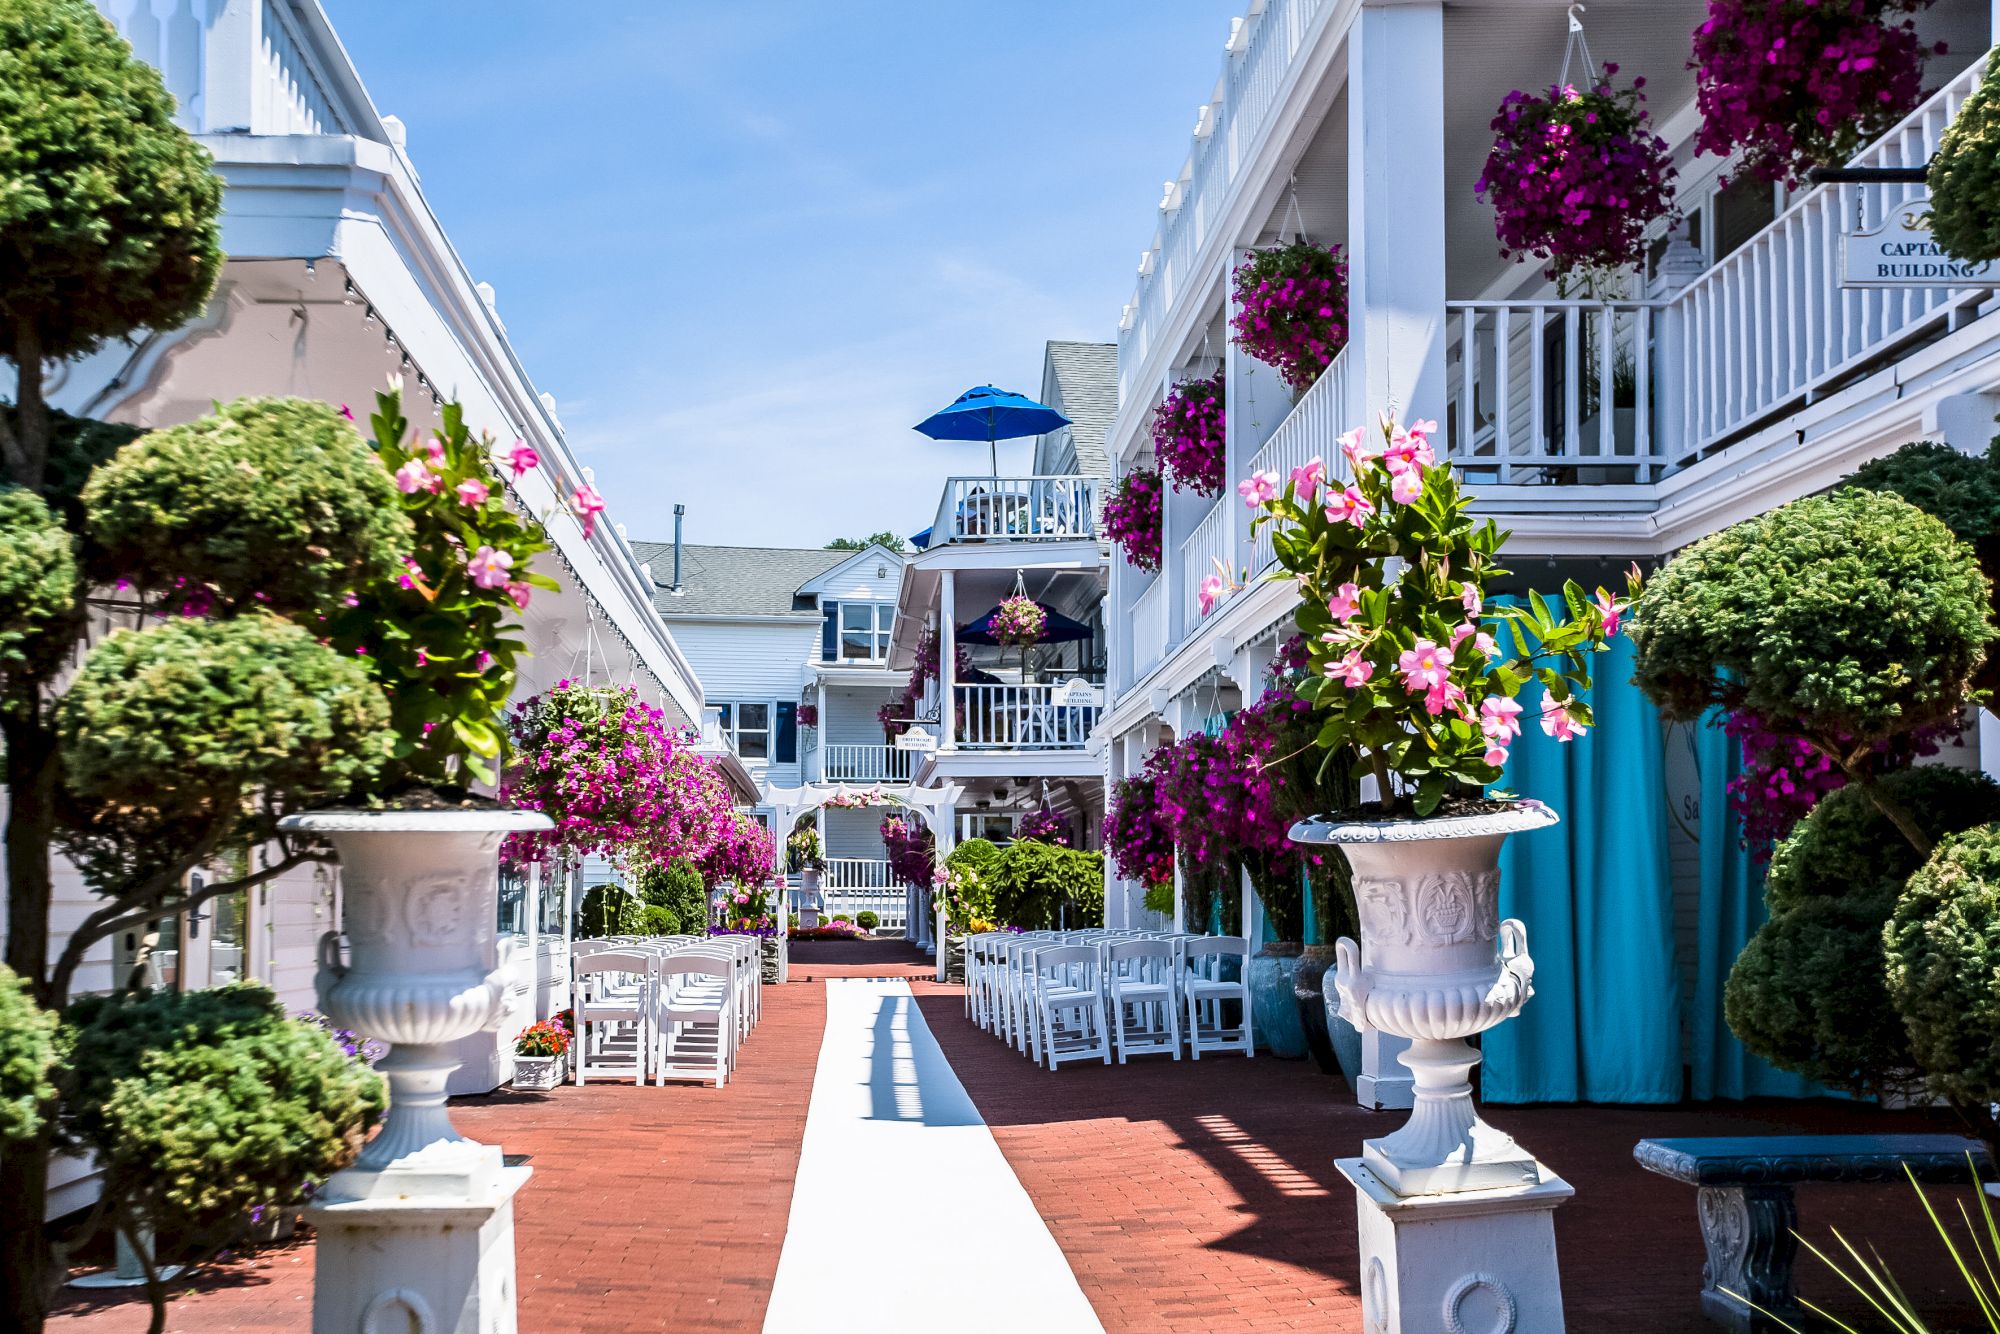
{"x":541,"y":1053}
{"x":1797,"y":84}
{"x":1406,"y":676}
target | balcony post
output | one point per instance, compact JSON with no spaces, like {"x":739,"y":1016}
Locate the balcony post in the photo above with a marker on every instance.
{"x":819,"y":726}
{"x":948,"y":661}
{"x":1396,"y":208}
{"x":1679,"y":266}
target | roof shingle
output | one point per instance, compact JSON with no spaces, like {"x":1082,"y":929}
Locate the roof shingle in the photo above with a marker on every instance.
{"x":734,"y":581}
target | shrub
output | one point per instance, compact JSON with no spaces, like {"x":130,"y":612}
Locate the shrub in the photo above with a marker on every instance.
{"x":1159,"y":899}
{"x":866,"y":920}
{"x":273,"y":502}
{"x":609,"y":911}
{"x":27,"y":1057}
{"x":1036,"y":884}
{"x":676,"y":888}
{"x":1844,"y":620}
{"x":1964,"y":177}
{"x":205,"y":1105}
{"x":1808,"y":992}
{"x":38,"y":588}
{"x":1962,"y":490}
{"x":1943,"y":948}
{"x":657,"y":921}
{"x":842,"y":917}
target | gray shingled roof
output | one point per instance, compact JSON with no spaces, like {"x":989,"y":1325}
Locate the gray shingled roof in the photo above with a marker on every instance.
{"x":1087,"y":376}
{"x":735,"y":581}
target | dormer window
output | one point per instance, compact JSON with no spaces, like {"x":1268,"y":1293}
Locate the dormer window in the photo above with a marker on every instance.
{"x":865,"y":630}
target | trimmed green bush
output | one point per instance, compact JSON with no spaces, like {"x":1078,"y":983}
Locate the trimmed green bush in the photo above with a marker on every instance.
{"x":1035,"y":885}
{"x":27,"y":1058}
{"x":1960,"y":490}
{"x":38,"y":586}
{"x":1964,"y":177}
{"x":276,"y":502}
{"x":168,"y":729}
{"x":841,"y":917}
{"x":676,"y":887}
{"x":609,"y":911}
{"x":657,"y":921}
{"x":866,"y":920}
{"x":202,"y":1106}
{"x":1943,"y":948}
{"x":1846,"y":848}
{"x":1856,"y":615}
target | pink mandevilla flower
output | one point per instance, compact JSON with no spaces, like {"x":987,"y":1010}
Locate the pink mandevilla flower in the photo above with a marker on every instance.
{"x":586,"y":504}
{"x":1308,"y":480}
{"x":1557,"y":722}
{"x":1424,"y":665}
{"x":521,"y":458}
{"x":472,"y":493}
{"x":1352,"y":669}
{"x":1349,"y":506}
{"x":1344,"y":603}
{"x":1258,"y":488}
{"x":1406,"y":486}
{"x":413,"y":477}
{"x":488,"y":568}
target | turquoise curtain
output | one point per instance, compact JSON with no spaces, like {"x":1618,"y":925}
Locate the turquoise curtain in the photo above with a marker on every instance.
{"x":1595,"y":891}
{"x":1731,"y":910}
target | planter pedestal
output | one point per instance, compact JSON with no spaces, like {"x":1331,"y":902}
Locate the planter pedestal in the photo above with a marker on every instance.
{"x":419,"y":1233}
{"x":1477,"y":1261}
{"x":1457,"y":1231}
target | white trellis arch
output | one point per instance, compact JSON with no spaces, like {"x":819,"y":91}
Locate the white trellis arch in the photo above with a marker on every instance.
{"x":937,"y":805}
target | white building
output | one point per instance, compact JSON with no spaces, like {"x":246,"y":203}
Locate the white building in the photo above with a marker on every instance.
{"x":1758,"y":376}
{"x":792,"y":647}
{"x":339,"y":273}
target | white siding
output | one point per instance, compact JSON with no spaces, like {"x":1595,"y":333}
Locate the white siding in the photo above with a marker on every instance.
{"x":850,"y":714}
{"x":739,"y":662}
{"x":858,"y":582}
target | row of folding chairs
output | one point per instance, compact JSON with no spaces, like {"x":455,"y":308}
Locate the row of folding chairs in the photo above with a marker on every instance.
{"x":665,"y":1007}
{"x":1059,"y":996}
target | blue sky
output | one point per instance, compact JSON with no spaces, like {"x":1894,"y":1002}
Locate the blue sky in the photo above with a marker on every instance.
{"x":747,"y":247}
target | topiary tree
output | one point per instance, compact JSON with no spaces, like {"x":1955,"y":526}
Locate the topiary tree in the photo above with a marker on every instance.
{"x":1964,"y":177}
{"x":675,"y":887}
{"x":108,"y":210}
{"x":657,"y":921}
{"x":27,"y":1056}
{"x":1963,"y":492}
{"x":1943,"y":949}
{"x":200,"y":1107}
{"x":1844,"y":620}
{"x":608,"y":910}
{"x":1808,"y":992}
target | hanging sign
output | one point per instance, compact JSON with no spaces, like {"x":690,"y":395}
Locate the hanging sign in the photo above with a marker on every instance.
{"x":1077,"y":693}
{"x":1900,"y":253}
{"x":915,"y":738}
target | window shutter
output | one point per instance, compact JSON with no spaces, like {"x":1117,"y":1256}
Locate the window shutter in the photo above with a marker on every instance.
{"x":829,"y":634}
{"x":787,"y":748}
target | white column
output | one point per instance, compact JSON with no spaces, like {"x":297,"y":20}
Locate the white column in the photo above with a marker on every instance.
{"x":948,"y":662}
{"x":1396,"y":207}
{"x":819,"y":727}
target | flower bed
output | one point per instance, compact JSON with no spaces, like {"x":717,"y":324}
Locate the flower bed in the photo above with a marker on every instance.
{"x":1189,"y":435}
{"x":1291,"y":311}
{"x":833,"y":930}
{"x":1133,"y":518}
{"x":1575,"y":177}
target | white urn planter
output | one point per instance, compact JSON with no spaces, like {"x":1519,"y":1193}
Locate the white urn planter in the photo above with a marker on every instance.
{"x":419,"y":1232}
{"x":1456,"y":1218}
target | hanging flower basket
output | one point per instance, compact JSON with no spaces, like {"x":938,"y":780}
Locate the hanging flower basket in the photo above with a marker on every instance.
{"x":808,"y":715}
{"x":1291,"y":309}
{"x":1020,"y":622}
{"x":1133,"y":519}
{"x":1575,"y":177}
{"x":1798,"y":84}
{"x":1188,"y":435}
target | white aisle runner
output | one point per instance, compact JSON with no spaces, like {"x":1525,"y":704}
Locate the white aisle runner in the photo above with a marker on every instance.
{"x":905,"y":1216}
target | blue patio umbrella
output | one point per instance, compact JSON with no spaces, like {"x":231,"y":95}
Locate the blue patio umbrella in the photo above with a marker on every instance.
{"x":991,"y":415}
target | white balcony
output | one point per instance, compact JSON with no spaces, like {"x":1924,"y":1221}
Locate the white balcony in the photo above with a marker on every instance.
{"x":1016,"y":509}
{"x":1022,"y":717}
{"x":846,"y":763}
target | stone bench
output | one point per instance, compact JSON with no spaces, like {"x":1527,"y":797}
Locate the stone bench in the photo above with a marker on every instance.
{"x":1743,"y":1200}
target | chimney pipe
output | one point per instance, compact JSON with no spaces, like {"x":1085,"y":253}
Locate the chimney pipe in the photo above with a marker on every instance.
{"x":680,"y":511}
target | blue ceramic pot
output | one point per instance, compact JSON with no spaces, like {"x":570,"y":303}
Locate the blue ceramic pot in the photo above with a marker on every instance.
{"x":1274,"y":1003}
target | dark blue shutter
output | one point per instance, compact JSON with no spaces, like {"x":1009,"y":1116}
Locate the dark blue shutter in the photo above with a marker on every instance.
{"x":787,"y":751}
{"x":829,"y":634}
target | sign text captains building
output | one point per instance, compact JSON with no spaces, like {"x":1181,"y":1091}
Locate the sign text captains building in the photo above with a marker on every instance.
{"x":1900,"y":253}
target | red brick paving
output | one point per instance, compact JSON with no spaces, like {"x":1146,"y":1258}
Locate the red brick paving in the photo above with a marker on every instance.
{"x":1187,"y":1196}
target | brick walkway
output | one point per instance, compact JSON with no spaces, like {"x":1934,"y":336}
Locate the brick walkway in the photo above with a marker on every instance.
{"x":1187,"y":1196}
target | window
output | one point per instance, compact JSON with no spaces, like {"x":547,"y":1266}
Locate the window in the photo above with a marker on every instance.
{"x":513,"y":914}
{"x":864,"y":630}
{"x":554,"y":885}
{"x":748,"y":727}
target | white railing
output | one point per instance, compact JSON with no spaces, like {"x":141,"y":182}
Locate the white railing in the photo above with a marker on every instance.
{"x":1026,"y":717}
{"x":1016,"y":509}
{"x":1770,"y":323}
{"x":863,"y":884}
{"x":865,"y":764}
{"x":1207,"y":545}
{"x":1149,"y":629}
{"x":1254,"y":75}
{"x":1548,"y":391}
{"x":243,"y":68}
{"x":1308,"y":432}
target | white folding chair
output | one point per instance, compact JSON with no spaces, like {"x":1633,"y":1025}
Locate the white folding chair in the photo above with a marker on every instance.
{"x":612,"y":992}
{"x":1139,"y":977}
{"x":1206,"y":989}
{"x":694,"y":1017}
{"x":1068,"y":1006}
